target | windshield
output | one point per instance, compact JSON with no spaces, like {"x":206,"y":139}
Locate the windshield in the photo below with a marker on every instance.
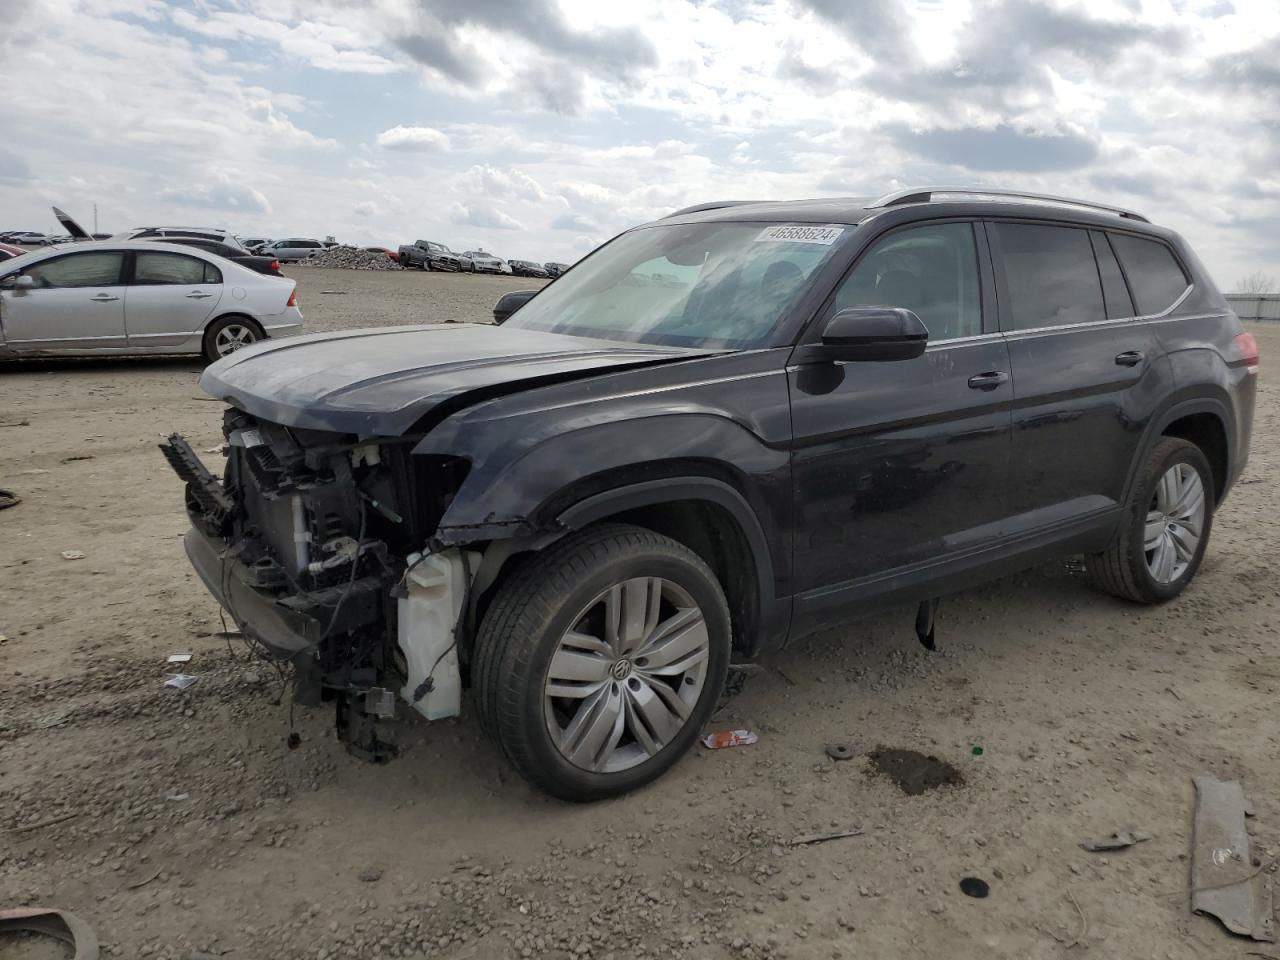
{"x":699,"y":285}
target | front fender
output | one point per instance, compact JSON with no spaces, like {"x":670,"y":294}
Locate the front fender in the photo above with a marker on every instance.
{"x":535,"y":454}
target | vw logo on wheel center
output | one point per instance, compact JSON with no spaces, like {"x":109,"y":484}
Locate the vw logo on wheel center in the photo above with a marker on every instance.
{"x":621,"y":669}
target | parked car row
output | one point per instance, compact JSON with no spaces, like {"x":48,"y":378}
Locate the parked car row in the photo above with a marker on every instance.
{"x":433,"y":255}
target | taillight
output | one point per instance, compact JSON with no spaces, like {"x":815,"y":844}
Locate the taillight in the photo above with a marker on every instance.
{"x":1247,"y":349}
{"x":293,"y":298}
{"x":275,"y":266}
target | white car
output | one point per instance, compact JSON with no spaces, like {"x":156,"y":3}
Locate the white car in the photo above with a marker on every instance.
{"x":295,"y":248}
{"x":138,"y":296}
{"x":487,"y":262}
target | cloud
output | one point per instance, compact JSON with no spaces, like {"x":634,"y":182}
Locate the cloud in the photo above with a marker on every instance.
{"x":13,"y":168}
{"x":483,"y":215}
{"x":554,"y":57}
{"x":225,"y":195}
{"x":413,"y":139}
{"x":491,"y":181}
{"x":1000,"y":148}
{"x":365,"y":208}
{"x":573,"y":221}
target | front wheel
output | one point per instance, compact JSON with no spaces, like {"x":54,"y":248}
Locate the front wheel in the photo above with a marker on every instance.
{"x":600,"y":659}
{"x":1165,"y":528}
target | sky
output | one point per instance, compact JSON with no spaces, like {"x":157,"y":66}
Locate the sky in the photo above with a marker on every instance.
{"x":537,"y":129}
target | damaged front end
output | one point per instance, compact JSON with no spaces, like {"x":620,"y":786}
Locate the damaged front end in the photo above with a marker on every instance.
{"x":320,"y":546}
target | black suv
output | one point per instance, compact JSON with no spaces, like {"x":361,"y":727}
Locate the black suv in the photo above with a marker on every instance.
{"x":721,"y":430}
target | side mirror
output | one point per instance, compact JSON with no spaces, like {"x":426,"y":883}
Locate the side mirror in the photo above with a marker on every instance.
{"x":509,"y":303}
{"x":874,"y":334}
{"x":24,"y":282}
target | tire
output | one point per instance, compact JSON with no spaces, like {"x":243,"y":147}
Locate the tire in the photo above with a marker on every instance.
{"x":1153,"y":558}
{"x":226,"y":335}
{"x":640,"y":733}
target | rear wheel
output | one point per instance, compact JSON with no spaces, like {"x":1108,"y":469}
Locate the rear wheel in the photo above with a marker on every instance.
{"x":226,"y":335}
{"x":599,"y":661}
{"x":1165,"y":529}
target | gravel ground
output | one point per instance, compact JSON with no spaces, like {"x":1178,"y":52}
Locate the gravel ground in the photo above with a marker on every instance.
{"x":187,"y":828}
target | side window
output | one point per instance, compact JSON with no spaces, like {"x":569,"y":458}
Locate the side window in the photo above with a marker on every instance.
{"x":212,"y":274}
{"x":930,"y":270}
{"x":155,"y":269}
{"x":1114,"y":292}
{"x":1154,"y":274}
{"x":1050,"y":276}
{"x":77,"y":270}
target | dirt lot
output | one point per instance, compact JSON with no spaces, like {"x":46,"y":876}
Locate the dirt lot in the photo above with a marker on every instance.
{"x":187,"y":828}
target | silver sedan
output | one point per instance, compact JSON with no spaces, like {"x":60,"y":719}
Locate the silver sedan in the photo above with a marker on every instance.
{"x":128,"y":297}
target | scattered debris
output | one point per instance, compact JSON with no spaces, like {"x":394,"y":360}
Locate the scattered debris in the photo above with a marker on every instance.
{"x":79,"y":456}
{"x":9,"y":499}
{"x":809,"y":838}
{"x":1084,"y":925}
{"x":180,"y":681}
{"x":334,"y":293}
{"x":15,"y":423}
{"x":1226,"y":882}
{"x":729,"y":738}
{"x":913,"y":772}
{"x":974,"y":887}
{"x":178,"y":797}
{"x":59,"y":924}
{"x":41,"y":824}
{"x":350,"y":258}
{"x":1118,"y":840}
{"x":370,"y":875}
{"x":736,"y":679}
{"x":142,"y":883}
{"x":179,"y":658}
{"x":977,"y":750}
{"x":72,"y":554}
{"x":839,"y":751}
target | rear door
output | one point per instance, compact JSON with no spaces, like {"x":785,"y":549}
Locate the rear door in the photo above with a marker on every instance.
{"x":169,"y":298}
{"x":77,"y":304}
{"x":902,"y":467}
{"x":1087,"y":374}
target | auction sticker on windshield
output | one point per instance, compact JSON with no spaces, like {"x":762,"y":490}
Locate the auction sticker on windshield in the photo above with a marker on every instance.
{"x":825,"y":234}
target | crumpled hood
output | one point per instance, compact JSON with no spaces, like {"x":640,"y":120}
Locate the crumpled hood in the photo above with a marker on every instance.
{"x":379,"y":382}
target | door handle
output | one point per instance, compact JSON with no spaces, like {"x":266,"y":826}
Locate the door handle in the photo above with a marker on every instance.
{"x":197,"y":295}
{"x":103,"y":298}
{"x":1130,"y":358}
{"x":988,"y":381}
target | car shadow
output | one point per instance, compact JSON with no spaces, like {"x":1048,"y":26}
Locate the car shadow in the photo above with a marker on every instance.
{"x":167,"y":364}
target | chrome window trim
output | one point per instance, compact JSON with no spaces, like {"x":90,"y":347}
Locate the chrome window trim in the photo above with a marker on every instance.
{"x":1164,"y":314}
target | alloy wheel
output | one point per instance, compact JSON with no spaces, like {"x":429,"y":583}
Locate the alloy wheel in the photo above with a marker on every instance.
{"x":625,"y":678}
{"x":1175,"y":522}
{"x":232,"y":337}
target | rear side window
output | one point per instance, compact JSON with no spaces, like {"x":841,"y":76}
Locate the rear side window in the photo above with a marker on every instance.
{"x":1050,"y":276}
{"x":1154,"y":274}
{"x":154,"y":269}
{"x":931,"y":270}
{"x":77,"y":270}
{"x":1114,"y":291}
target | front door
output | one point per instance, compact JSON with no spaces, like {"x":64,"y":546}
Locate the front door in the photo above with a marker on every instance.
{"x":901,"y":466}
{"x":169,"y":298}
{"x":75,"y":304}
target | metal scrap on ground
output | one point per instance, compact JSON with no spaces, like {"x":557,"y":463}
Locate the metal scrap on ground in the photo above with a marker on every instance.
{"x":1225,"y":881}
{"x":59,"y":924}
{"x":1118,"y":840}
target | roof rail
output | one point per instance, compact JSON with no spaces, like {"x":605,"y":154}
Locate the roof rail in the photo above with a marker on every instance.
{"x":713,"y":205}
{"x":927,"y":194}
